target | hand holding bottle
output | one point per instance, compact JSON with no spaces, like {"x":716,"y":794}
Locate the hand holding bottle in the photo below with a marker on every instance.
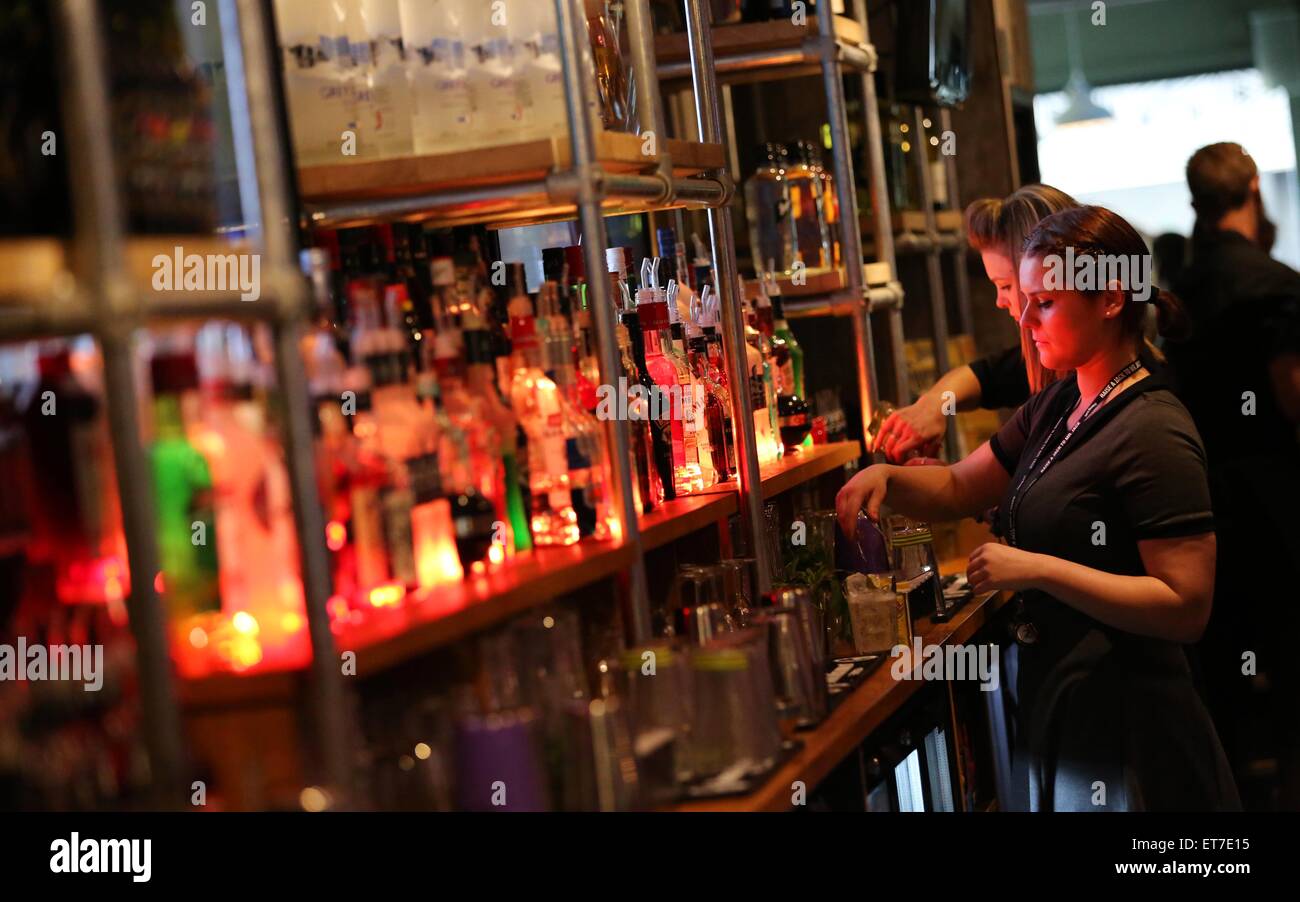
{"x":865,"y":491}
{"x":915,"y":430}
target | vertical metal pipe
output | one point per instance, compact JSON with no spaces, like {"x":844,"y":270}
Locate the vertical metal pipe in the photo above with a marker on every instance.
{"x":577,"y":88}
{"x":100,"y":268}
{"x":954,"y":202}
{"x":850,"y":227}
{"x":650,"y":106}
{"x":933,"y":256}
{"x":708,"y":115}
{"x":884,"y":223}
{"x":288,"y":289}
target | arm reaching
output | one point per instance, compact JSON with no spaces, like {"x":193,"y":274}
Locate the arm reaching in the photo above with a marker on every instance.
{"x":939,"y":493}
{"x":923,"y":423}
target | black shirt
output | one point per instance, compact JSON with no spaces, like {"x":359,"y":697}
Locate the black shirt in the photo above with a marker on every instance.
{"x":1002,"y":378}
{"x":1244,"y":308}
{"x":1089,"y":692}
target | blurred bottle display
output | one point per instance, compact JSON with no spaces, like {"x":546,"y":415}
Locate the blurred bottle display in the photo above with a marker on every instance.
{"x":162,"y":111}
{"x":380,"y":79}
{"x":33,"y":181}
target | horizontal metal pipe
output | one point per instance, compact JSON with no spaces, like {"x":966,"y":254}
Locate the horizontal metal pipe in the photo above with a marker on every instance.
{"x":328,"y":214}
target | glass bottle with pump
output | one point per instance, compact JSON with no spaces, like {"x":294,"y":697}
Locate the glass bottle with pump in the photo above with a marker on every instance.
{"x":768,"y":211}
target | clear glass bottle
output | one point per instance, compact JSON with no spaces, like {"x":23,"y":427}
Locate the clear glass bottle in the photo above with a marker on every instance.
{"x":811,"y":243}
{"x":493,"y":76}
{"x":438,"y":60}
{"x":386,"y":116}
{"x":318,"y":78}
{"x":768,"y":212}
{"x":536,"y":401}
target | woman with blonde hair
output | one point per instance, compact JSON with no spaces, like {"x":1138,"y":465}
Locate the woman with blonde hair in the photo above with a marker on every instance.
{"x":997,"y":229}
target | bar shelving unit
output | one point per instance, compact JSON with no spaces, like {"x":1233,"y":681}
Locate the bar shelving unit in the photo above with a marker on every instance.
{"x":98,"y":282}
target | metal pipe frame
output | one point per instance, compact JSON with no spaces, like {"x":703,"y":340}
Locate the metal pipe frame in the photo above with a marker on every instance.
{"x":806,"y":55}
{"x":708,"y":115}
{"x":850,"y":228}
{"x":289,"y":291}
{"x":649,"y":101}
{"x":933,"y":265}
{"x":100,"y":268}
{"x":880,"y":212}
{"x":962,"y":278}
{"x":558,"y":188}
{"x":573,"y":35}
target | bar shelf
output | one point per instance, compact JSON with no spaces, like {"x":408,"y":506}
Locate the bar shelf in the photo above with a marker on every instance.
{"x":765,"y":51}
{"x":513,"y":184}
{"x":441,"y":616}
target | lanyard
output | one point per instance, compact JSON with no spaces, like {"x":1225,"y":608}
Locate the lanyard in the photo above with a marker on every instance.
{"x":1027,"y":481}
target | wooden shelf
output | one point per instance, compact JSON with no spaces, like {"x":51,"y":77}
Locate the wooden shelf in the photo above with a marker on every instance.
{"x":735,"y":46}
{"x":433,"y":619}
{"x":449,"y":613}
{"x":684,"y":516}
{"x":806,"y":464}
{"x":857,"y":717}
{"x":516,"y":164}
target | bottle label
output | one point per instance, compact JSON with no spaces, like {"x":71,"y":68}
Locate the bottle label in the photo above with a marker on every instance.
{"x":397,"y":504}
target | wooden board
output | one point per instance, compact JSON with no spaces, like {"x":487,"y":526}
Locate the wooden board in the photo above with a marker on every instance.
{"x":753,"y":36}
{"x":528,"y":161}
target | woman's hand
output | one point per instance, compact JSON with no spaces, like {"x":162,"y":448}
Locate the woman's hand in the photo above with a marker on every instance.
{"x":995,"y":566}
{"x":917,"y":426}
{"x":865,"y":490}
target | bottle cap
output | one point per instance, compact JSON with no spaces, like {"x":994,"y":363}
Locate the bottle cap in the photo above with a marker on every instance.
{"x":174,"y":372}
{"x":616,"y":260}
{"x":553,"y":259}
{"x":577,"y":263}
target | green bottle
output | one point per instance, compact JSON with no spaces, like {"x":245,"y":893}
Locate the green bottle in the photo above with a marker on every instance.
{"x":183,"y":495}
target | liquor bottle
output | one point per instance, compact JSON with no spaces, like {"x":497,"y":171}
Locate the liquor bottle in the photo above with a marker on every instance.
{"x":762,"y":396}
{"x":321,"y":93}
{"x":811,"y":242}
{"x":386,"y":106}
{"x":584,"y":336}
{"x":830,"y":204}
{"x":793,"y":374}
{"x":666,"y":396}
{"x":584,"y":448}
{"x":493,"y":76}
{"x":768,"y":212}
{"x":183,"y":494}
{"x":480,"y":359}
{"x":536,"y":401}
{"x":72,"y":500}
{"x":716,"y":403}
{"x":536,"y":39}
{"x":256,"y":543}
{"x":649,"y":486}
{"x":614,"y":89}
{"x":442,"y":117}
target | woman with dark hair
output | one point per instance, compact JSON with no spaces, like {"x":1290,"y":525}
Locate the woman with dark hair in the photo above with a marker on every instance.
{"x":1104,"y":504}
{"x":996,"y":228}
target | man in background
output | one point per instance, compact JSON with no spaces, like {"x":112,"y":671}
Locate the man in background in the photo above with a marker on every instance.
{"x":1238,"y":373}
